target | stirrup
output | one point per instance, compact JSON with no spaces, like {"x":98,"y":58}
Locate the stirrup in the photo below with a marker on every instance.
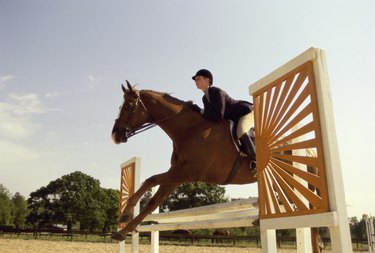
{"x":253,"y":165}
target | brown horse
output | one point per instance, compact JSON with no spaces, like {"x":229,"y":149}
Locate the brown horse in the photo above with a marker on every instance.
{"x":203,"y":151}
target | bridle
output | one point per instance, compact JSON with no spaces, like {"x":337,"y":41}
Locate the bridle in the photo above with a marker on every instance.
{"x":129,"y":131}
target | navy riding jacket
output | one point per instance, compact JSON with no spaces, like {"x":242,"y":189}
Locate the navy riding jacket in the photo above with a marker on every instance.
{"x":221,"y":106}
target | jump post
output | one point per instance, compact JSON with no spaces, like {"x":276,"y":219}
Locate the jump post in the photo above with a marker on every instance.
{"x":300,"y":182}
{"x":293,"y":112}
{"x":239,"y":213}
{"x":129,"y":184}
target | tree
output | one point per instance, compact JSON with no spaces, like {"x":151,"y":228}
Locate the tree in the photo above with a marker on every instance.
{"x":194,"y":195}
{"x":6,"y":207}
{"x":20,"y":210}
{"x":73,"y":198}
{"x":353,"y":224}
{"x":111,"y":206}
{"x":358,"y":228}
{"x":40,"y":208}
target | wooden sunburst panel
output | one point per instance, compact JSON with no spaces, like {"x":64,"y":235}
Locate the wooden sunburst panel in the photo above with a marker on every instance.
{"x":290,"y":157}
{"x":126,"y":187}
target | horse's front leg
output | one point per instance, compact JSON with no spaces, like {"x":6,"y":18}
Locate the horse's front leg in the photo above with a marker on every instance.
{"x":153,"y":181}
{"x":155,"y":201}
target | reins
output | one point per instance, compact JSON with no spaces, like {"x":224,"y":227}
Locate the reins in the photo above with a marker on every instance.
{"x":147,"y":126}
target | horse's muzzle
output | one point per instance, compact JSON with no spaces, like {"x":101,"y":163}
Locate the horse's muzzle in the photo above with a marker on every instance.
{"x":120,"y":136}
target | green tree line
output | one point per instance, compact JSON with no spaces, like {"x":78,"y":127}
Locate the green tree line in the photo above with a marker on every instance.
{"x":77,"y":200}
{"x":13,"y":209}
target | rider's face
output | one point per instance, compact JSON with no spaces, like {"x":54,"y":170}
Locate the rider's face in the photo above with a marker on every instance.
{"x":202,"y":82}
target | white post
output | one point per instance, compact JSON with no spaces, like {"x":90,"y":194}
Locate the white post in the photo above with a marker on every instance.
{"x":303,"y":237}
{"x":137,"y":182}
{"x":340,"y":235}
{"x":370,"y":234}
{"x":268,"y":240}
{"x":121,"y":246}
{"x":155,"y":242}
{"x":155,"y":234}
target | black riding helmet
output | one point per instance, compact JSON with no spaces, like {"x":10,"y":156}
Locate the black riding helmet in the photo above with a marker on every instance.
{"x":205,"y":73}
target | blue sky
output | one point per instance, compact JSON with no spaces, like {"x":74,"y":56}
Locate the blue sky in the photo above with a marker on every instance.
{"x":62,"y":63}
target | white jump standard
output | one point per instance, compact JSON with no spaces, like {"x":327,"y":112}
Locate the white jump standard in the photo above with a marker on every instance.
{"x":299,"y":178}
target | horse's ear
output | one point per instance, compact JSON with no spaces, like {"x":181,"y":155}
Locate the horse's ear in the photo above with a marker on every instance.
{"x":123,"y":88}
{"x":129,"y":86}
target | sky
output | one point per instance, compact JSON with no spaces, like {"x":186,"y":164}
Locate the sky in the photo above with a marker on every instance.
{"x":62,"y":64}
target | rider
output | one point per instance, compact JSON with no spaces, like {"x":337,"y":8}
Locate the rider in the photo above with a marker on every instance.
{"x":219,"y":105}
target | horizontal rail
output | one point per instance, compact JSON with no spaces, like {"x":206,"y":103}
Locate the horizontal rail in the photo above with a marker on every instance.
{"x":313,"y":220}
{"x":239,"y":213}
{"x":223,"y":223}
{"x":225,"y":215}
{"x":227,"y":208}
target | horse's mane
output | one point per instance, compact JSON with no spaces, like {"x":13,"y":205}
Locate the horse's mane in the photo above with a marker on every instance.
{"x":169,"y":98}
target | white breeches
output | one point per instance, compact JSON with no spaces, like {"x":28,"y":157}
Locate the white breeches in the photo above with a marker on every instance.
{"x":244,"y":124}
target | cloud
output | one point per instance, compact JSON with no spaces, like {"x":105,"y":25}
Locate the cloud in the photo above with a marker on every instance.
{"x":93,"y":81}
{"x":27,"y":104}
{"x":4,"y":79}
{"x":51,"y":94}
{"x":11,"y":152}
{"x":13,"y":125}
{"x":17,"y":113}
{"x":14,"y":129}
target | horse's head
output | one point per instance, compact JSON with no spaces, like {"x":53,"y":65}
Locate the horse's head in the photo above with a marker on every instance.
{"x":132,"y":115}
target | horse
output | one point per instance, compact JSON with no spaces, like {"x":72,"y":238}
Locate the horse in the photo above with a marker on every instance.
{"x":183,"y":234}
{"x":203,"y":150}
{"x":220,"y":234}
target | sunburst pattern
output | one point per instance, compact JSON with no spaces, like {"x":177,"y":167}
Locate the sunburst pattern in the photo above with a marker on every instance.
{"x":291,"y":170}
{"x":126,"y":187}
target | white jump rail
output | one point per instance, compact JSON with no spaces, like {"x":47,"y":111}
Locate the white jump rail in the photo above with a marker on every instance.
{"x":239,"y":213}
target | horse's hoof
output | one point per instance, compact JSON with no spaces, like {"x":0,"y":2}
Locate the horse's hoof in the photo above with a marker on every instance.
{"x":118,"y":236}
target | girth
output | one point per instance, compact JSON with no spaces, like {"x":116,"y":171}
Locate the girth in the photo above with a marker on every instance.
{"x":236,"y":165}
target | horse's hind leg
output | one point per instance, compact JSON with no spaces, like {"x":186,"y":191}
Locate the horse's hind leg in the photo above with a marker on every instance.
{"x":155,"y":201}
{"x":127,"y":214}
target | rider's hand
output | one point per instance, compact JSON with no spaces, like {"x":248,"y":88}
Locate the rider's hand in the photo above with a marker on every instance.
{"x":196,"y":108}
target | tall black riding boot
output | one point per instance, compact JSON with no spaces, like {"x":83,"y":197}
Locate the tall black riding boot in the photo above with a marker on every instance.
{"x":249,"y":148}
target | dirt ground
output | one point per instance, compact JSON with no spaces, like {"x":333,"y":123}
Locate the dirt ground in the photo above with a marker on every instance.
{"x":41,"y":246}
